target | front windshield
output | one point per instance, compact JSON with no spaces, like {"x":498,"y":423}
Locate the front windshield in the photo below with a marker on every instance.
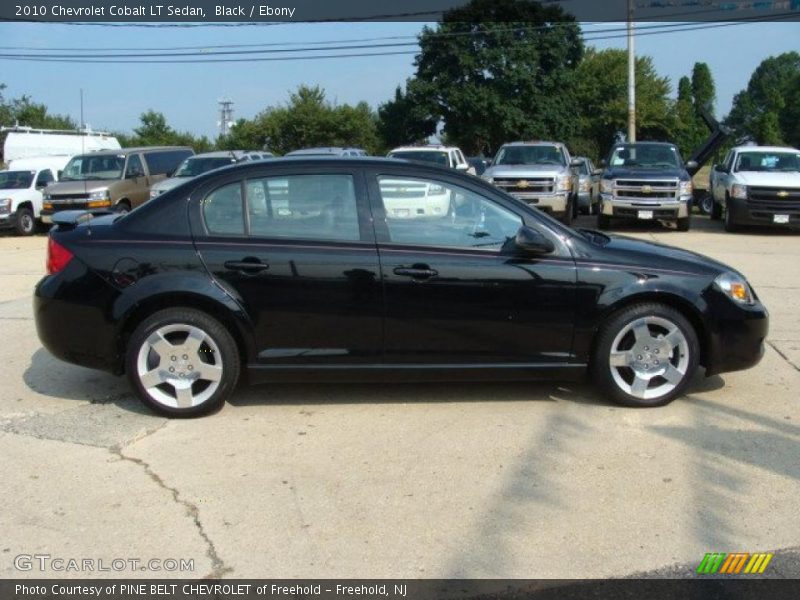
{"x":192,"y":167}
{"x":771,"y":162}
{"x":584,"y":168}
{"x":530,"y":155}
{"x":634,"y":156}
{"x":91,"y":168}
{"x":437,"y":158}
{"x":15,"y":180}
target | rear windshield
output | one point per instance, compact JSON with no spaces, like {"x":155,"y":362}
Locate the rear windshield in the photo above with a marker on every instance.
{"x":192,"y":167}
{"x":645,"y":156}
{"x":88,"y":168}
{"x":15,"y":180}
{"x":437,"y":158}
{"x":530,"y":155}
{"x":785,"y":162}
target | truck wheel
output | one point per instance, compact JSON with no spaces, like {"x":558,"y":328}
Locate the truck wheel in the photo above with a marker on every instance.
{"x":26,"y":223}
{"x":645,"y":355}
{"x":716,"y":210}
{"x":684,"y":224}
{"x":603,"y":222}
{"x":567,"y":218}
{"x":122,"y":207}
{"x":706,"y":204}
{"x":730,"y":223}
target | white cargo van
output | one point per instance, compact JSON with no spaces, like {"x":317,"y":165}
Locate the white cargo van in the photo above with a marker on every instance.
{"x":21,"y":187}
{"x":25,"y":142}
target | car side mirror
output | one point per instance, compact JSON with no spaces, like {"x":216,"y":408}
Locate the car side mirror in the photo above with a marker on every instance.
{"x":720,"y":169}
{"x":692,"y":165}
{"x":462,"y":167}
{"x":60,"y":173}
{"x":603,"y":163}
{"x":575,"y":163}
{"x":530,"y":241}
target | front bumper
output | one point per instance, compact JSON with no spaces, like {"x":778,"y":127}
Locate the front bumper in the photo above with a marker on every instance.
{"x":8,"y":220}
{"x":745,"y":213}
{"x":553,"y":203}
{"x":736,"y":334}
{"x":668,"y":210}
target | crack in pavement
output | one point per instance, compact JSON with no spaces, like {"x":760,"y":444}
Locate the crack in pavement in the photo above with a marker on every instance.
{"x":218,"y":567}
{"x":783,"y":356}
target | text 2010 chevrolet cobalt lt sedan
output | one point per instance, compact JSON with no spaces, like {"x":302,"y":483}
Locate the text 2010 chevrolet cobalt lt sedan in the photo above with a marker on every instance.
{"x":337,"y":269}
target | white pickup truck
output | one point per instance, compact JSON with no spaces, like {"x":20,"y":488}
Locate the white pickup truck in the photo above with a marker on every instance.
{"x":757,"y":185}
{"x":21,"y":187}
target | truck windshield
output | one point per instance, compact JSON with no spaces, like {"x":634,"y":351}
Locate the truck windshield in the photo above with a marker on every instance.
{"x":15,"y":180}
{"x":88,"y":167}
{"x":784,"y":162}
{"x":192,"y":167}
{"x":530,"y":155}
{"x":645,"y":156}
{"x":438,"y":158}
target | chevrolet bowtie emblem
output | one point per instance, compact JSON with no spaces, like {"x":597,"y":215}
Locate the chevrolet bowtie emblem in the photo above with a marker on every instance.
{"x":523,"y":184}
{"x":646,"y":189}
{"x":783,"y":194}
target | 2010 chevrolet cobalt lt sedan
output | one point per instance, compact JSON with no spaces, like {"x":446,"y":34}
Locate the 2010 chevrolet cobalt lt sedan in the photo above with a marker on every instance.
{"x":383,"y":270}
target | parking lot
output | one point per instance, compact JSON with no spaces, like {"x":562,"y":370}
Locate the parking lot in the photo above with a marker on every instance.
{"x":456,"y":480}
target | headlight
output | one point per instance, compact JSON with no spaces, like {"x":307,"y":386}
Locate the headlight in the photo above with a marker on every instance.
{"x":735,"y":287}
{"x":686,"y":188}
{"x":564,"y":183}
{"x":46,"y":196}
{"x":607,"y":186}
{"x":739,"y":191}
{"x":5,"y":205}
{"x":100,"y":195}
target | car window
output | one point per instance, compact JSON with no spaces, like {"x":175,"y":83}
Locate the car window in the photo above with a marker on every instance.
{"x":728,"y":160}
{"x":44,"y":178}
{"x":223,"y":210}
{"x":427,"y":212}
{"x":134,"y":168}
{"x":308,"y":207}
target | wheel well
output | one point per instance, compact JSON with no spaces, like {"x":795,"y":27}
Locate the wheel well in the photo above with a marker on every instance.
{"x":124,"y":201}
{"x":680,"y":304}
{"x":25,"y":204}
{"x":153,"y":305}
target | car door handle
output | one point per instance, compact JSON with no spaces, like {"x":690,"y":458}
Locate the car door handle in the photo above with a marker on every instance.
{"x":416,"y":272}
{"x":247,"y":265}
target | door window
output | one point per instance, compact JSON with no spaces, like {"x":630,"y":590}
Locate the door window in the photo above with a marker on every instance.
{"x":134,"y":168}
{"x":44,"y":178}
{"x":223,"y":210}
{"x":307,"y":207}
{"x":427,"y":212}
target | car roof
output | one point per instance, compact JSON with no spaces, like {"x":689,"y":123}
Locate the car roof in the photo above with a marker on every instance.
{"x":123,"y":151}
{"x":534,"y":143}
{"x":667,"y":144}
{"x":423,"y":149}
{"x":323,"y":150}
{"x":765,"y":149}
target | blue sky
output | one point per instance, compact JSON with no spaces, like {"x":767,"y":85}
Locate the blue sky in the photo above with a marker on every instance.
{"x":115,"y":95}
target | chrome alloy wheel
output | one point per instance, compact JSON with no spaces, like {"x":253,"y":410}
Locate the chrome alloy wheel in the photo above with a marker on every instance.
{"x":649,"y":357}
{"x":179,"y":366}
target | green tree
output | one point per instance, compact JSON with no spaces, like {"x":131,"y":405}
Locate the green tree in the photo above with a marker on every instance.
{"x":685,"y":127}
{"x":704,"y":90}
{"x":404,"y":120}
{"x":308,"y":119}
{"x":767,"y":110}
{"x":155,"y":131}
{"x":498,"y":70}
{"x":601,"y":94}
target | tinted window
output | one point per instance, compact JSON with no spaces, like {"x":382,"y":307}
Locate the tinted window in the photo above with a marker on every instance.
{"x":94,"y":167}
{"x":44,"y":178}
{"x":768,"y":161}
{"x":197,"y":165}
{"x":645,"y":156}
{"x":161,"y":162}
{"x":223,"y":210}
{"x":530,"y":155}
{"x":427,"y":212}
{"x":310,"y":207}
{"x":15,"y":180}
{"x":439,"y":158}
{"x":134,"y":168}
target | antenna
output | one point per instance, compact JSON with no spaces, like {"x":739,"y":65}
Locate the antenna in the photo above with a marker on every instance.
{"x":225,"y":116}
{"x":82,"y":128}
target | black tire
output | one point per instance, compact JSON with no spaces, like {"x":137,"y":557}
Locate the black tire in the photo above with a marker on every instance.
{"x":716,"y":210}
{"x":26,"y":223}
{"x":566,"y":218}
{"x":684,"y":224}
{"x":227,"y":359}
{"x":603,"y":222}
{"x":705,"y":204}
{"x":614,"y":325}
{"x":122,"y":207}
{"x":730,"y":223}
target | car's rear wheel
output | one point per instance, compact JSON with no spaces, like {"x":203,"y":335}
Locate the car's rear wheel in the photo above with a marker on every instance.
{"x":26,"y":223}
{"x":645,"y":355}
{"x":716,"y":210}
{"x":182,"y":362}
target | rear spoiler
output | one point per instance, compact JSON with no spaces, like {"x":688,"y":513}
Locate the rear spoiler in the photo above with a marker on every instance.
{"x":70,"y":219}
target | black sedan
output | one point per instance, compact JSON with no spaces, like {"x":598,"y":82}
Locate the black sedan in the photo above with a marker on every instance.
{"x":374,"y":269}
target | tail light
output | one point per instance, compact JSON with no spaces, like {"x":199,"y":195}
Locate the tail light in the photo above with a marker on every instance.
{"x":58,"y":257}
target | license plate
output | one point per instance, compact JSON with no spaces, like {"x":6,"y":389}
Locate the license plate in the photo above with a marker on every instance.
{"x":780,"y":219}
{"x":47,"y":219}
{"x":646,"y":214}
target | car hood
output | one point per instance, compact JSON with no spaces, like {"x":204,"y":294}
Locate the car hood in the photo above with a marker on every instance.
{"x":769,"y":179}
{"x":524,"y":170}
{"x":79,"y":187}
{"x":26,"y":193}
{"x":168,"y":184}
{"x":630,"y":251}
{"x":625,"y":173}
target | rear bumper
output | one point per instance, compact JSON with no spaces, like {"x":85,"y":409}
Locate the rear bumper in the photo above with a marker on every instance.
{"x":47,"y":213}
{"x":662,"y":211}
{"x":744,"y":213}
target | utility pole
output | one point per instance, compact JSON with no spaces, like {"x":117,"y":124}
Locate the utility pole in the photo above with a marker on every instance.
{"x":225,"y":116}
{"x":631,"y":77}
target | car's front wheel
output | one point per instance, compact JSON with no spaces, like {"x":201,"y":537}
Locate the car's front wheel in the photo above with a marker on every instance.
{"x":645,"y":355}
{"x":182,"y":362}
{"x":26,"y":223}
